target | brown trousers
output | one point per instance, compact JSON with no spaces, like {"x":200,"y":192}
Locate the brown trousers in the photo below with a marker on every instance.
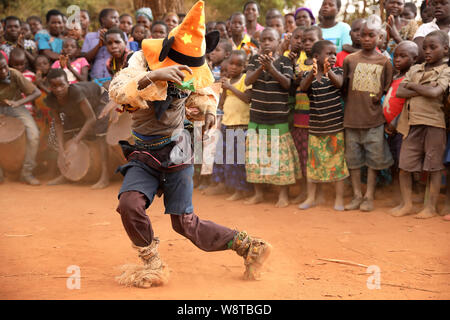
{"x":206,"y":235}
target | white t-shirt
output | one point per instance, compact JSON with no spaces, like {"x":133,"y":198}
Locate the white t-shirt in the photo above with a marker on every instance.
{"x":427,"y":28}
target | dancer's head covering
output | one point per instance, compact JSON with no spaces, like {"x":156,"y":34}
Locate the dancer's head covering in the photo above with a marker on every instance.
{"x":187,"y":45}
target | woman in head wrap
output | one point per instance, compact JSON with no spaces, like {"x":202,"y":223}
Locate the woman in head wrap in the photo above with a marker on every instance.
{"x":144,"y":16}
{"x":304,"y":17}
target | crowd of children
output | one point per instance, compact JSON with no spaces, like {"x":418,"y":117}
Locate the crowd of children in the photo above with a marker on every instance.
{"x":329,"y":100}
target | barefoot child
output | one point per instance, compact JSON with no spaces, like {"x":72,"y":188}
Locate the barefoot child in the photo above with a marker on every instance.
{"x":422,"y":122}
{"x":367,"y":76}
{"x":299,"y":131}
{"x":216,"y":58}
{"x":271,"y":77}
{"x":326,"y":162}
{"x":405,"y":55}
{"x":81,"y":103}
{"x":236,"y":108}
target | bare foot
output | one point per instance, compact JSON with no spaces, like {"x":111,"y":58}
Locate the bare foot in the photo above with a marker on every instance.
{"x":425,"y":213}
{"x":366,"y":205}
{"x":401,"y":211}
{"x":445,"y":210}
{"x":283,"y":202}
{"x":255,"y":199}
{"x":101,"y":184}
{"x":308,"y":203}
{"x":447,"y":217}
{"x":298,"y":199}
{"x":401,"y":205}
{"x":339,"y":205}
{"x":57,"y":181}
{"x":354,"y":204}
{"x":237,"y":195}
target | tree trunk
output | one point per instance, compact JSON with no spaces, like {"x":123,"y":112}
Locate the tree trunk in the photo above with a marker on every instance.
{"x":160,"y":7}
{"x":382,"y":15}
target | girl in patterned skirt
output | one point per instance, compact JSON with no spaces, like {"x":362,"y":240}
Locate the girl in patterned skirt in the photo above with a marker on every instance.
{"x":271,"y":156}
{"x":326,"y":162}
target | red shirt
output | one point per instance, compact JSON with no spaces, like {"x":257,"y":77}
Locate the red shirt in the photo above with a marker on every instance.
{"x":340,"y":58}
{"x":393,"y":106}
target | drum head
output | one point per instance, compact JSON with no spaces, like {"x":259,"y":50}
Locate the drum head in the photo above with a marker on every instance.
{"x":10,"y":129}
{"x":120,"y":130}
{"x":77,"y":161}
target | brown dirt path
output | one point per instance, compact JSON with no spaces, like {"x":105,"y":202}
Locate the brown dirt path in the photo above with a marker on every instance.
{"x":43,"y":230}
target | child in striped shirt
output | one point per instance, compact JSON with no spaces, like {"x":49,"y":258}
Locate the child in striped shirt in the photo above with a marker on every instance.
{"x":270,"y":77}
{"x":326,"y":160}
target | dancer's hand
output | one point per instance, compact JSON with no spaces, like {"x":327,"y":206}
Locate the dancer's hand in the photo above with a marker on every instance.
{"x":172,"y":73}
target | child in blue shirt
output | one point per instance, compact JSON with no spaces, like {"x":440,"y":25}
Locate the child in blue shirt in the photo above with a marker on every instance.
{"x":332,"y":30}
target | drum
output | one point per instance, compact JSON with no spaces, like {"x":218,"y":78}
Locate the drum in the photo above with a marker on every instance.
{"x":120,"y":130}
{"x":13,"y":144}
{"x":83,"y":161}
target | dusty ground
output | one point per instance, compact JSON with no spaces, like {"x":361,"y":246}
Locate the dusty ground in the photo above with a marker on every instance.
{"x":44,"y":230}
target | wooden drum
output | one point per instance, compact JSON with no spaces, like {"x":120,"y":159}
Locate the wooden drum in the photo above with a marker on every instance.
{"x":13,"y":144}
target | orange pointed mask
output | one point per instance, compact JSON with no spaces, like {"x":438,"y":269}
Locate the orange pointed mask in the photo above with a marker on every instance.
{"x":186,"y":44}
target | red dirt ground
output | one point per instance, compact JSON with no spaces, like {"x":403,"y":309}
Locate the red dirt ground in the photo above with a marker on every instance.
{"x":44,"y":230}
